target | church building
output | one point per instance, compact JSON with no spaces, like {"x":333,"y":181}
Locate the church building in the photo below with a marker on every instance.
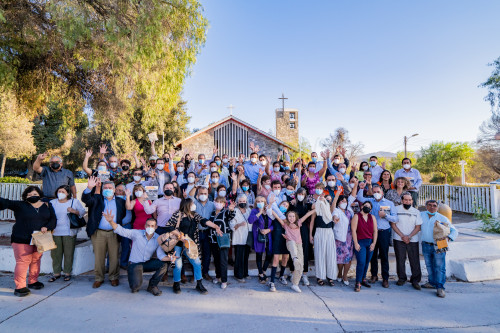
{"x":233,"y":136}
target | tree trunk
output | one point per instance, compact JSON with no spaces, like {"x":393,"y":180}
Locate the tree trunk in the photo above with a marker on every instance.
{"x":31,"y":172}
{"x":2,"y":170}
{"x":445,"y":178}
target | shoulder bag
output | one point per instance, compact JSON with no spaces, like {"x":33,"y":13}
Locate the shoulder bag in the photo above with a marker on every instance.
{"x":75,"y":220}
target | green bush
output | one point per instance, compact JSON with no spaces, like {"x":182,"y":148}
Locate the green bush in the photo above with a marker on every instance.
{"x":16,"y":180}
{"x":81,"y":180}
{"x":491,"y":225}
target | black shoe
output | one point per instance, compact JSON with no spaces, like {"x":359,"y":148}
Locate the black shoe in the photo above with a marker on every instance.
{"x":133,"y":291}
{"x":201,"y":288}
{"x":154,"y":290}
{"x":22,"y":292}
{"x":416,"y":286}
{"x":365,"y":283}
{"x":177,"y":287}
{"x":37,"y":285}
{"x":400,"y":282}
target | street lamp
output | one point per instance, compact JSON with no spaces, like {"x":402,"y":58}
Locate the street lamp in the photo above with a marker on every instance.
{"x":406,"y":141}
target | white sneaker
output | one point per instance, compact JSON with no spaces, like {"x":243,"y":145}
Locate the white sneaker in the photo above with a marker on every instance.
{"x":272,"y":287}
{"x":339,"y":279}
{"x":346,"y":282}
{"x":296,"y":288}
{"x":215,"y":281}
{"x":305,"y":280}
{"x":223,"y":285}
{"x":283,"y":280}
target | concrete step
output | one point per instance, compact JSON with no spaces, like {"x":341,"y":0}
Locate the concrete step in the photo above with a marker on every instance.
{"x":476,"y":269}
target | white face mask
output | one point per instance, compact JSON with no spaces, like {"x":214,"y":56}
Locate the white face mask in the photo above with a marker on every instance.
{"x":365,"y":167}
{"x":61,"y":196}
{"x":219,"y":205}
{"x":150,"y":230}
{"x":342,"y":170}
{"x":263,"y":162}
{"x":213,"y":169}
{"x":351,"y":185}
{"x":331,"y":183}
{"x":138,"y":194}
{"x":276,"y":192}
{"x":113,"y":164}
{"x":407,"y":166}
{"x":253,"y":159}
{"x":377,"y":196}
{"x":190,"y":180}
{"x":215,"y":180}
{"x":193,"y":207}
{"x":277,"y":169}
{"x":336,"y":161}
{"x":225,"y":160}
{"x":160,"y":166}
{"x":137,"y":178}
{"x":222,"y":193}
{"x":267,"y":186}
{"x":343,"y":205}
{"x":203,"y":197}
{"x":300,"y":197}
{"x":180,"y":169}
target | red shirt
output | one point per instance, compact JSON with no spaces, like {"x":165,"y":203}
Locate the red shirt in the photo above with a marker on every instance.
{"x":365,"y":228}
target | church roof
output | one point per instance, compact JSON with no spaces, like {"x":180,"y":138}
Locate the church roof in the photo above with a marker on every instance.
{"x":242,"y":123}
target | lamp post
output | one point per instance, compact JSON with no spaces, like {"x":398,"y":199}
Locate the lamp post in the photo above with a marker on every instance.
{"x":406,"y":138}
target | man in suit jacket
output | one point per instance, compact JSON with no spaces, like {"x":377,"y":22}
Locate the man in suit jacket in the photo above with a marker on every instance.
{"x":104,"y":240}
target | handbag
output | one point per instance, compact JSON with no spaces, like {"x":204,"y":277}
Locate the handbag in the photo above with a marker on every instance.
{"x":224,"y":241}
{"x":43,"y":241}
{"x":250,"y":239}
{"x":75,"y":221}
{"x":261,"y":237}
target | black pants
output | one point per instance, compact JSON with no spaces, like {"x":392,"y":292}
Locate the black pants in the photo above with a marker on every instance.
{"x":162,"y":230}
{"x":267,"y":261}
{"x":381,"y":250}
{"x":241,"y":261}
{"x":220,"y":261}
{"x":401,"y":249}
{"x":206,"y":253}
{"x":135,"y":271}
{"x":304,"y":233}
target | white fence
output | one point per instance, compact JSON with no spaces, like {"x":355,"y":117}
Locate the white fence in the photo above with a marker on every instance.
{"x":11,"y":192}
{"x":467,"y":199}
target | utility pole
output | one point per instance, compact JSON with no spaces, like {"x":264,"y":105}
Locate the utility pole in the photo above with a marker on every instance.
{"x":463,"y":164}
{"x":406,"y":142}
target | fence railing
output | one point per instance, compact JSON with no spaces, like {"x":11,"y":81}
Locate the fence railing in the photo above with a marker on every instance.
{"x":11,"y":192}
{"x":467,"y":199}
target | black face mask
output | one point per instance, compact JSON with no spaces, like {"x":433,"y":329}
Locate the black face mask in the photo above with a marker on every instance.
{"x":406,"y":206}
{"x":366,"y":209}
{"x":242,"y":205}
{"x":33,"y":199}
{"x":169,"y":193}
{"x":167,"y":160}
{"x":55,"y":166}
{"x":125,"y":168}
{"x":152,"y":164}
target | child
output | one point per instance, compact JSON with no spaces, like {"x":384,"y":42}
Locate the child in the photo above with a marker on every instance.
{"x":292,"y":225}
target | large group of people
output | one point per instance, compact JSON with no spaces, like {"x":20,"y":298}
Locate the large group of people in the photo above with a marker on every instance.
{"x":288,"y":212}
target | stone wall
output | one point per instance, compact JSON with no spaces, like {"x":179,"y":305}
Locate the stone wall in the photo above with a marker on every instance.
{"x":283,"y":130}
{"x":200,"y":144}
{"x":267,"y":146}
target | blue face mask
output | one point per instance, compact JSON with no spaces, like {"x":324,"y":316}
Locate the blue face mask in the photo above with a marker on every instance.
{"x":101,"y":168}
{"x":260,"y":205}
{"x":121,"y":196}
{"x":373,"y":163}
{"x":201,"y":161}
{"x":107,"y":193}
{"x":289,"y":192}
{"x":244,"y":188}
{"x":217,"y":162}
{"x":318,"y":191}
{"x":431,"y":214}
{"x":287,"y":168}
{"x":314,"y":159}
{"x":283,"y":209}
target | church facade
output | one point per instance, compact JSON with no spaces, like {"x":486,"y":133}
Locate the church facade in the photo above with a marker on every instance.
{"x":233,"y":136}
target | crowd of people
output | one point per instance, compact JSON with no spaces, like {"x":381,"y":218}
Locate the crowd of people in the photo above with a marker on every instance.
{"x":288,"y":212}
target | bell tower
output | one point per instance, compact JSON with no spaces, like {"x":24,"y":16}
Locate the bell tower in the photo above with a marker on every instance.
{"x":287,"y":126}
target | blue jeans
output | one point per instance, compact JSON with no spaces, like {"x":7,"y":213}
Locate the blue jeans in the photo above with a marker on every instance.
{"x":125,"y":243}
{"x":436,"y":265}
{"x":363,"y":257}
{"x":178,"y":265}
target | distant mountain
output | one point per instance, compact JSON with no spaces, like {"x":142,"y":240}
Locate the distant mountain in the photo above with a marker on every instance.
{"x":385,"y":154}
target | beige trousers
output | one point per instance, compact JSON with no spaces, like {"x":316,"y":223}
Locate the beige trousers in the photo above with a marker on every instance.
{"x":298,"y":260}
{"x":106,"y":242}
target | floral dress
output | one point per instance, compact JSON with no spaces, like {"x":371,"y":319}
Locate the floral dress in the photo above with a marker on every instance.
{"x":311,"y":182}
{"x":345,"y":249}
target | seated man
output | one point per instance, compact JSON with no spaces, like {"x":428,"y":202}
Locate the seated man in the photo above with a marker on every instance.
{"x":143,"y":246}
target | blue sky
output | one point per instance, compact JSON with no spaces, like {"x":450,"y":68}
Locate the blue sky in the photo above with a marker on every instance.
{"x":381,"y":69}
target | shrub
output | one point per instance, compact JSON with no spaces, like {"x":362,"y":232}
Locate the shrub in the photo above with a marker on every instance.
{"x":16,"y":180}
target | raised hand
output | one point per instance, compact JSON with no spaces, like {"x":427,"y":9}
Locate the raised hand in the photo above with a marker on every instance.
{"x":234,"y":177}
{"x":257,"y":149}
{"x":134,"y":153}
{"x":108,"y":215}
{"x":92,"y":182}
{"x":88,"y":153}
{"x":343,"y":151}
{"x":261,"y":172}
{"x":153,"y":173}
{"x":354,"y":167}
{"x":128,"y":193}
{"x":172,"y":153}
{"x":103,"y":149}
{"x":339,"y":176}
{"x":232,"y":161}
{"x":215,"y":150}
{"x":323,"y":154}
{"x":251,"y":146}
{"x":285,"y":150}
{"x":362,"y":185}
{"x":383,"y":165}
{"x":232,"y":205}
{"x":42,"y":156}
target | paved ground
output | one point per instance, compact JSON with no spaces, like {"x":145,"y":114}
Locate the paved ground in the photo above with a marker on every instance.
{"x":249,"y":307}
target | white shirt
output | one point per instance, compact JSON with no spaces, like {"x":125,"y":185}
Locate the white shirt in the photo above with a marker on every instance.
{"x":61,"y":209}
{"x":376,"y":173}
{"x":407,"y":220}
{"x":341,"y":227}
{"x":240,"y":235}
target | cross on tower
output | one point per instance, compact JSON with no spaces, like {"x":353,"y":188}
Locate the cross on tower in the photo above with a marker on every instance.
{"x":231,"y":107}
{"x":283,"y":100}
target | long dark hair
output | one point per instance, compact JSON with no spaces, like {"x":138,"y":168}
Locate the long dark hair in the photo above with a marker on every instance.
{"x":66,"y":188}
{"x":390,"y":177}
{"x":185,"y":206}
{"x":30,"y":189}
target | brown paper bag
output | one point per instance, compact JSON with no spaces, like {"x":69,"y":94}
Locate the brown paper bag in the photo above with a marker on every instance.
{"x":191,"y":247}
{"x":441,"y":230}
{"x":43,"y":242}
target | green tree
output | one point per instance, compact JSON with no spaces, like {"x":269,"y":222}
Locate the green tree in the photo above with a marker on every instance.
{"x":396,"y":162}
{"x":443,"y":157}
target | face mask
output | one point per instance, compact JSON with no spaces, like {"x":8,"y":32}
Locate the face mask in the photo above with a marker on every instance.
{"x":373,"y":163}
{"x":101,"y":168}
{"x":33,"y":199}
{"x":213,"y":169}
{"x":253,"y":159}
{"x":203,"y":197}
{"x":331,"y":183}
{"x":287,"y":168}
{"x":61,"y":196}
{"x":219,"y":205}
{"x":351,"y":185}
{"x":242,"y":205}
{"x":289,"y":192}
{"x":215,"y":180}
{"x":276,"y":169}
{"x":342,"y":170}
{"x":225,"y":160}
{"x":276,"y":192}
{"x":244,"y":188}
{"x":193,"y":207}
{"x":318,"y":191}
{"x":406,"y":166}
{"x":431,"y":214}
{"x":152,"y":164}
{"x":190,"y":180}
{"x":314,"y":159}
{"x":263,"y":163}
{"x":167,"y":160}
{"x":377,"y":196}
{"x":217,"y":162}
{"x":366,"y":209}
{"x":107,"y":193}
{"x":150,"y":230}
{"x":125,"y":167}
{"x":160,"y":166}
{"x":121,"y":196}
{"x":267,"y":186}
{"x":138,"y":194}
{"x":55,"y":166}
{"x":201,"y":161}
{"x":169,"y":193}
{"x":283,"y":209}
{"x":343,"y":205}
{"x":300,"y":197}
{"x":336,"y":161}
{"x":180,"y":169}
{"x":260,"y":205}
{"x":113,"y":164}
{"x":222,"y":193}
{"x":365,"y":167}
{"x":137,"y":178}
{"x":406,"y":206}
{"x":312,"y":169}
